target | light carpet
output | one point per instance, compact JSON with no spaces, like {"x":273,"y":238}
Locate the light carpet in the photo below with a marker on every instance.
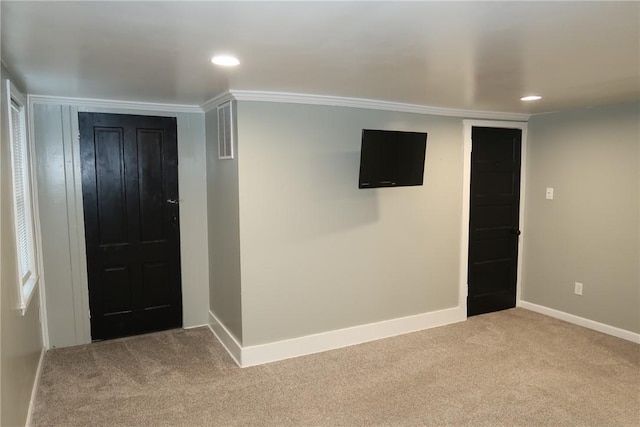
{"x":513,"y":367}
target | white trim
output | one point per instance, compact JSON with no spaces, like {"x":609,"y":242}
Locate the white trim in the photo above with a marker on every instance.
{"x":44,"y":324}
{"x":215,"y":101}
{"x":28,"y":287}
{"x":75,"y":224}
{"x":372,"y":104}
{"x":226,"y":135}
{"x":204,"y":325}
{"x":283,"y":97}
{"x":117,"y":104}
{"x":466,"y":189}
{"x":27,"y":290}
{"x":75,"y":220}
{"x":310,"y":344}
{"x":463,"y":291}
{"x":581,"y":321}
{"x":523,"y":198}
{"x":34,"y":389}
{"x":325,"y":341}
{"x":226,"y":338}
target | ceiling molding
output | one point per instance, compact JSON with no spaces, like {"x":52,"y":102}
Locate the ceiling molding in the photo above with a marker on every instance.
{"x":216,"y":100}
{"x":371,"y":104}
{"x":108,"y":103}
{"x":280,"y":97}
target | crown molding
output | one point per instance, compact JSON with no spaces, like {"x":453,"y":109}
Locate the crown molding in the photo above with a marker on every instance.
{"x":216,"y":100}
{"x":116,"y":104}
{"x":280,"y":97}
{"x":371,"y":104}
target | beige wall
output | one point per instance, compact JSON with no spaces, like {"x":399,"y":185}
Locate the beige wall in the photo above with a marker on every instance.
{"x":590,"y":232}
{"x":60,"y":197}
{"x":20,"y":336}
{"x":224,"y":233}
{"x":319,"y":254}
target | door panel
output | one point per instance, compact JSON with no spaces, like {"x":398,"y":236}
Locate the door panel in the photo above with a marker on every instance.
{"x":494,"y":219}
{"x":151,"y":185}
{"x":129,"y":172}
{"x":496,"y":182}
{"x":116,"y":289}
{"x":109,"y":170}
{"x":155,"y":278}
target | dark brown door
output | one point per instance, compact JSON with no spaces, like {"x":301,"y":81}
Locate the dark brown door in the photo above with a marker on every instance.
{"x":494,"y":219}
{"x":130,"y":191}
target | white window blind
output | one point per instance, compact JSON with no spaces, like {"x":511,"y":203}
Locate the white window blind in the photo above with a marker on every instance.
{"x":22,"y":196}
{"x":21,"y":191}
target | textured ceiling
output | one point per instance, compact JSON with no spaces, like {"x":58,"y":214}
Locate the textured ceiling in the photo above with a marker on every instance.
{"x":467,"y":55}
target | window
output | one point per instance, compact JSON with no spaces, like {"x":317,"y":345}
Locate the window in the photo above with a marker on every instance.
{"x":22,"y":196}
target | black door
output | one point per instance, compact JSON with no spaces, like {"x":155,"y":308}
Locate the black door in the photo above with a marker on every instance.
{"x":494,"y":219}
{"x":130,"y":192}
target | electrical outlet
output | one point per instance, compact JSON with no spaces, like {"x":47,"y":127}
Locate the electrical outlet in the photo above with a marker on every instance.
{"x":549,"y":194}
{"x":578,"y":289}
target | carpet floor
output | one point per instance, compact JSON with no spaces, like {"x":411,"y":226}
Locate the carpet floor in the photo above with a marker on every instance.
{"x":513,"y":367}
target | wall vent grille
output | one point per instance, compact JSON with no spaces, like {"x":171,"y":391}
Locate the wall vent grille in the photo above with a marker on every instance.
{"x":225,"y":131}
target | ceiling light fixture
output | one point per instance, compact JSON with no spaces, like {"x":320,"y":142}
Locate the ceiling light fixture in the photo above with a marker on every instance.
{"x":530,"y":98}
{"x":225,"y":60}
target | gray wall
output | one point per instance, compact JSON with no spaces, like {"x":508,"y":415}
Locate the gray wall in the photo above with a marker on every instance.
{"x":318,"y":254}
{"x":60,"y":198}
{"x":590,"y":232}
{"x":20,"y":336}
{"x":194,"y":247}
{"x":224,"y":233}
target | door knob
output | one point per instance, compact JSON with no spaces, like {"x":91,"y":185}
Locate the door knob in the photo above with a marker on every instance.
{"x":172,"y":201}
{"x":516,"y":232}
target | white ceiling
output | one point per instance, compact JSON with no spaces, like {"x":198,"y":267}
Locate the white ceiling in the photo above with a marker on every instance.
{"x":466,"y":55}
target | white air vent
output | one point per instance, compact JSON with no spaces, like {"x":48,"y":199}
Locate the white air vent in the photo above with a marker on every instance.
{"x":225,"y":131}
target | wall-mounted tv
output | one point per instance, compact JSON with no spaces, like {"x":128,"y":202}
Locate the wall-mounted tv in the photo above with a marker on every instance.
{"x":390,"y":158}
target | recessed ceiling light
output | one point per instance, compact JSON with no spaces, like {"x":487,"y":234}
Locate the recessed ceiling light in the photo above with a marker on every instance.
{"x":531,"y":98}
{"x":225,"y":60}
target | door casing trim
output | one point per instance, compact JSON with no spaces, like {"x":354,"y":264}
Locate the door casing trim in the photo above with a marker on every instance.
{"x":466,"y":194}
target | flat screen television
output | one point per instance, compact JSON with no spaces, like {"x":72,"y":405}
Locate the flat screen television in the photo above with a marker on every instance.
{"x":390,"y":158}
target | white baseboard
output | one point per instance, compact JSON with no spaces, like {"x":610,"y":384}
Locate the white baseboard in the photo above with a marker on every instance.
{"x":316,"y":343}
{"x":271,"y":352}
{"x":34,"y":388}
{"x":226,"y":338}
{"x":204,"y":325}
{"x":581,"y":321}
